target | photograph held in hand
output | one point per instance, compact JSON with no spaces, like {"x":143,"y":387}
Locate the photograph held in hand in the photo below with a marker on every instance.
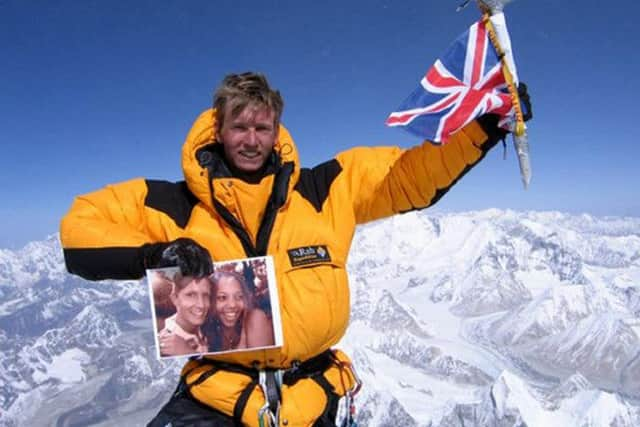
{"x":234,"y":309}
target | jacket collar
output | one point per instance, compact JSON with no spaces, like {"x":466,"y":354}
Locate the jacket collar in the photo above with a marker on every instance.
{"x":201,"y":139}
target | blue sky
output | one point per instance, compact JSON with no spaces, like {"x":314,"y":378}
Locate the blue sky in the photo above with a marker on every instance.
{"x":95,"y":92}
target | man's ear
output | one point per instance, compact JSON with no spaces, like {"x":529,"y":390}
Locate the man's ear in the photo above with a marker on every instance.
{"x":277,"y":130}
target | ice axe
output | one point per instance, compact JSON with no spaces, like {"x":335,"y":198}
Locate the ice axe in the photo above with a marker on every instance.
{"x":520,"y":140}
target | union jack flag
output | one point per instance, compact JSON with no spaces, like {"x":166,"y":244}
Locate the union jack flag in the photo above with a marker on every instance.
{"x":465,"y":83}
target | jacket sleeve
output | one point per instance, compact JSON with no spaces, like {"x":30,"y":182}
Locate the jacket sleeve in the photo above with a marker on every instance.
{"x":105,"y":233}
{"x":387,"y":180}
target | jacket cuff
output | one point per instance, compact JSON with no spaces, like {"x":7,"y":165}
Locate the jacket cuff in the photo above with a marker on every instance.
{"x":118,"y":263}
{"x":488,"y":125}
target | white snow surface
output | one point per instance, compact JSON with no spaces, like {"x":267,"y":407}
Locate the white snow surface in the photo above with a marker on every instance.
{"x":490,"y":318}
{"x":65,"y":367}
{"x":515,"y":303}
{"x":36,"y":261}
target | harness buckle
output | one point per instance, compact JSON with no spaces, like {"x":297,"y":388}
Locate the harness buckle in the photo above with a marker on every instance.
{"x":346,"y":416}
{"x":270,"y":381}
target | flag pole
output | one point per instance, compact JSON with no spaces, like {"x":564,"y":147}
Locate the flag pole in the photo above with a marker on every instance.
{"x":520,"y":139}
{"x":508,"y":76}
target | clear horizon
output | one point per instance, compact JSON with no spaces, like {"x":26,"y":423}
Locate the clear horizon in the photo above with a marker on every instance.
{"x":95,"y":94}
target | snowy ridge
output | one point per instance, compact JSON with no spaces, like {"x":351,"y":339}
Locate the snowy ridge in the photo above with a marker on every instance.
{"x":478,"y":292}
{"x":600,"y":347}
{"x":535,"y":311}
{"x":513,"y":398}
{"x":491,"y":318}
{"x":35,"y":262}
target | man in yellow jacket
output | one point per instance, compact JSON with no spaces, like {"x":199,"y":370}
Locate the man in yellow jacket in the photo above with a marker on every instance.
{"x":245,"y":195}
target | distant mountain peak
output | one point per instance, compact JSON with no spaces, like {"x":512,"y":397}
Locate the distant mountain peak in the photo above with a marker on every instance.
{"x":485,"y":318}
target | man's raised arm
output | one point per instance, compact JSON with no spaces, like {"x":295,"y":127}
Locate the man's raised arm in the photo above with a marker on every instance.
{"x":119,"y":231}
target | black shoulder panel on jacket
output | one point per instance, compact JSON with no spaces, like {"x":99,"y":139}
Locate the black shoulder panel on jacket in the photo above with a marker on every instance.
{"x":171,"y":198}
{"x":314,"y":184}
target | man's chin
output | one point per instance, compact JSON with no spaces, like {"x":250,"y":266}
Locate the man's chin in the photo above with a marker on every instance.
{"x":249,"y":166}
{"x":248,"y":170}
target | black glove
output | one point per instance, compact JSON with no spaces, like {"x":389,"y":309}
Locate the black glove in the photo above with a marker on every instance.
{"x":185,"y":253}
{"x":489,"y":122}
{"x":525,"y":102}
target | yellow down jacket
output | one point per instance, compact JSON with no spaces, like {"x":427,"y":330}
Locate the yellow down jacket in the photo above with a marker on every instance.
{"x":294,"y":214}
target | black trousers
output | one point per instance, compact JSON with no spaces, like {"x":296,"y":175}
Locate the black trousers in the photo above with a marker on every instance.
{"x":182,"y":411}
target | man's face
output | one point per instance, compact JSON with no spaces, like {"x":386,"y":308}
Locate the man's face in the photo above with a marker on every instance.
{"x":248,"y":138}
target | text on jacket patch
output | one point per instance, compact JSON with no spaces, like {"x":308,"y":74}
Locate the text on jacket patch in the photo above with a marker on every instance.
{"x":308,"y":255}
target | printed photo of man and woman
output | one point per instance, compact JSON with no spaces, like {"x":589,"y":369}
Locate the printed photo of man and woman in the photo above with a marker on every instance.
{"x":234,"y":309}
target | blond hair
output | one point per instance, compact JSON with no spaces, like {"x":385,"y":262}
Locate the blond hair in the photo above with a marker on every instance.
{"x":238,"y":91}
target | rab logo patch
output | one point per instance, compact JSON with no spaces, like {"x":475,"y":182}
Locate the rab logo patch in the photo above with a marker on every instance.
{"x":308,"y":255}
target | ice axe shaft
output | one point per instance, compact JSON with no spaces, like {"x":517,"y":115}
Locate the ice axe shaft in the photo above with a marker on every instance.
{"x":520,"y":139}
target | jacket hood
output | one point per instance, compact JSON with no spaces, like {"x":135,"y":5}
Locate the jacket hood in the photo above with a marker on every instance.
{"x":202,"y":133}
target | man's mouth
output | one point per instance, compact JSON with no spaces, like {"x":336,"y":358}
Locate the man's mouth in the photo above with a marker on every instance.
{"x":250,"y":154}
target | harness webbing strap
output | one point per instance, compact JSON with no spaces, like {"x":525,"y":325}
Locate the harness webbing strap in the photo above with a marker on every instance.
{"x":322,"y":382}
{"x":307,"y":369}
{"x":241,"y":403}
{"x":182,"y":384}
{"x":313,"y":368}
{"x":331,"y":408}
{"x":202,"y":378}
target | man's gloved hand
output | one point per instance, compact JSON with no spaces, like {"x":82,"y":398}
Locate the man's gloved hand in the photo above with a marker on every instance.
{"x":525,"y":102}
{"x":489,"y":122}
{"x":185,"y":253}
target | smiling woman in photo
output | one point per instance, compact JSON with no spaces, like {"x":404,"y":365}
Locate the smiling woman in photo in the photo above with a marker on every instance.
{"x":236,"y":323}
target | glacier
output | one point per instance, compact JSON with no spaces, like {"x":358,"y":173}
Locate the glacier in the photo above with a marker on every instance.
{"x":484,"y":318}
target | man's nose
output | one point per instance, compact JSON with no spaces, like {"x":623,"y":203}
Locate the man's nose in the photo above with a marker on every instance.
{"x":252,"y":137}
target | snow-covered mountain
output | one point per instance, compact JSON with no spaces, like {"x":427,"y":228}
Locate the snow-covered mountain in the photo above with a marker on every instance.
{"x":491,"y":318}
